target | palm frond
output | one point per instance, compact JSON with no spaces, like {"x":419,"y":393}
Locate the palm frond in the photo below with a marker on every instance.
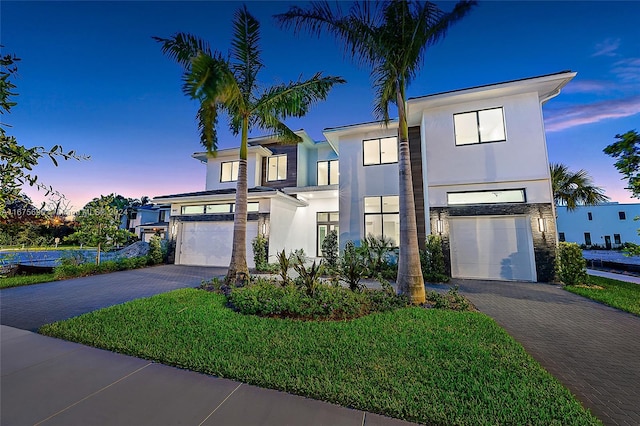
{"x":572,"y":189}
{"x":207,"y":118}
{"x":183,"y":47}
{"x":245,"y":50}
{"x":295,"y":98}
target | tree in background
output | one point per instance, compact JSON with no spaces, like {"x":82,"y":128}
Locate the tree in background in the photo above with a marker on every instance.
{"x":627,"y":152}
{"x":390,"y":37}
{"x":99,"y":225}
{"x":230,"y":85}
{"x":573,"y":189}
{"x":16,"y":160}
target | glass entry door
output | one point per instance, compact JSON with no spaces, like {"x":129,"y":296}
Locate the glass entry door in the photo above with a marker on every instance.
{"x":326,"y":222}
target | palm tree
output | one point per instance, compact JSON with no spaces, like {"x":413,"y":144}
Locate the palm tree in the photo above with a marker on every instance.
{"x":391,"y":37}
{"x":230,"y":85}
{"x":572,"y":189}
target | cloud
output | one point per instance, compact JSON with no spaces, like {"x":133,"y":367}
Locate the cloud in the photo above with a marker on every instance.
{"x":607,"y":48}
{"x":590,"y":86}
{"x":578,"y":115}
{"x":627,"y":70}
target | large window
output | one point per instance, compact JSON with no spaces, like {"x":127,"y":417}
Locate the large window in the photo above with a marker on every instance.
{"x":382,"y":217}
{"x":328,"y":172}
{"x":218,"y":208}
{"x":229,"y":171}
{"x":380,"y":151}
{"x":277,"y":167}
{"x":479,"y":126}
{"x":486,"y":197}
{"x":327,"y":222}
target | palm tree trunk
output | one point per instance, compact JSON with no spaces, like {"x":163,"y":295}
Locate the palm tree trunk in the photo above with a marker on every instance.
{"x":410,"y":279}
{"x":238,"y":264}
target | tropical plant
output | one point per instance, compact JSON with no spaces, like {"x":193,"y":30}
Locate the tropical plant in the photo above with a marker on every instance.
{"x":351,"y":266}
{"x":231,"y":85}
{"x":391,"y":37}
{"x":330,"y":250}
{"x":573,"y":189}
{"x":260,"y":258}
{"x":308,"y":277}
{"x":99,"y":225}
{"x":432,"y":259}
{"x":627,"y":152}
{"x":284,"y":261}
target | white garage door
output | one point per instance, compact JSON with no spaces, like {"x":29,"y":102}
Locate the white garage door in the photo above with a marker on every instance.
{"x":209,"y":243}
{"x":493,"y":248}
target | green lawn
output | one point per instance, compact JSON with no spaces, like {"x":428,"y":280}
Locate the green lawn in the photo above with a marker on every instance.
{"x":26,"y":280}
{"x":429,"y":366}
{"x":618,"y":294}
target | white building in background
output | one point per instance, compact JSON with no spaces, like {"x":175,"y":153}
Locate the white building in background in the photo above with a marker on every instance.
{"x":606,"y":225}
{"x":480,"y":175}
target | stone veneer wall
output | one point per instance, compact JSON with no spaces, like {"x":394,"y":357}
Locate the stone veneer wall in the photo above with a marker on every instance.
{"x":544,"y":243}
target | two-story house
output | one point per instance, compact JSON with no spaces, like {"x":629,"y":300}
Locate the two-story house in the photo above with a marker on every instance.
{"x":148,"y":220}
{"x":480,"y":174}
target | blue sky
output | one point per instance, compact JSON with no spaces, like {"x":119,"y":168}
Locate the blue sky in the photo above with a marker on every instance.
{"x":92,"y":79}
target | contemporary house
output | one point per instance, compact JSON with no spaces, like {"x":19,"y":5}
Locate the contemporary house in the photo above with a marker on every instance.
{"x":607,"y":226}
{"x":149,"y":220}
{"x":480,"y":175}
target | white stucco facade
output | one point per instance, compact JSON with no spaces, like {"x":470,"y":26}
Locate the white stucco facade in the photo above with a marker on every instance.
{"x":603,"y":223}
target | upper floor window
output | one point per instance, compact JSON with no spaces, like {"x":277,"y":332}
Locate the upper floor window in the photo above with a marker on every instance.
{"x":229,"y":171}
{"x":328,"y":172}
{"x":382,"y":217}
{"x":380,"y":151}
{"x":589,"y":216}
{"x":162,"y":216}
{"x":487,"y":197}
{"x":277,"y":167}
{"x":622,"y":215}
{"x":561,"y":236}
{"x":479,"y":126}
{"x":218,"y":208}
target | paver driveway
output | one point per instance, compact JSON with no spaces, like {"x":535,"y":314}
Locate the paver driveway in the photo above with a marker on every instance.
{"x":594,"y":350}
{"x":30,"y":307}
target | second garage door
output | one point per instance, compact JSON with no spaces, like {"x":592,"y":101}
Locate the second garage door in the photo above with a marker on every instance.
{"x":493,"y":248}
{"x":209,"y":243}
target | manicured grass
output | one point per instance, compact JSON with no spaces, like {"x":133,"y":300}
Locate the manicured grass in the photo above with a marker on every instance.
{"x":429,"y":366}
{"x":26,"y":280}
{"x":618,"y":294}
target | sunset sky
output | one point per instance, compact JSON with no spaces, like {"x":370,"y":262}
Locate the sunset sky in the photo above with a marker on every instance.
{"x":92,"y":79}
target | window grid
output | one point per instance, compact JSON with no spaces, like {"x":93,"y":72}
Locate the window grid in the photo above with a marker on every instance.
{"x":481,"y":126}
{"x":327,"y":172}
{"x":380,"y":151}
{"x":383,"y":213}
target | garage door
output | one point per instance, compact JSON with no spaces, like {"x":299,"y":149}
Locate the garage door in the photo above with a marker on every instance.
{"x":493,"y":248}
{"x":209,"y":243}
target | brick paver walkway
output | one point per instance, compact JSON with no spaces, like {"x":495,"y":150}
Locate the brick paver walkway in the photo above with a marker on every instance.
{"x":30,"y":307}
{"x":594,"y":350}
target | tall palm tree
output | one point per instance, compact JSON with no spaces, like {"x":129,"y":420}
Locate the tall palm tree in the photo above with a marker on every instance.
{"x":572,"y":189}
{"x":391,"y":37}
{"x":230,"y":85}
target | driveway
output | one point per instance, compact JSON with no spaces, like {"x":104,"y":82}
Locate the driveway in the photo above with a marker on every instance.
{"x":30,"y":307}
{"x":594,"y":350}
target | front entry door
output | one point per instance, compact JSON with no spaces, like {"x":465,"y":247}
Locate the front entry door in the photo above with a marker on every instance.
{"x":327,"y":222}
{"x":607,"y":242}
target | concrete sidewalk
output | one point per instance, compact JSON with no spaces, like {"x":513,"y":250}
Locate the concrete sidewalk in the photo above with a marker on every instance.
{"x":619,"y":277}
{"x":54,"y":382}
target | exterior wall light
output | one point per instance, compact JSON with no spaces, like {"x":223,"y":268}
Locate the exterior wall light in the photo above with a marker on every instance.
{"x":541,"y":224}
{"x":439,"y":226}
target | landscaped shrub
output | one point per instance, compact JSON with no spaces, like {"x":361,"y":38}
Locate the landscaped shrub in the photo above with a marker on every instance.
{"x":284,"y":262}
{"x":308,"y":277}
{"x":330,"y":250}
{"x":351,"y":267}
{"x":451,"y":300}
{"x":68,"y":268}
{"x":260,"y":257}
{"x":155,"y":250}
{"x":265,"y":298}
{"x":378,"y":256}
{"x":571,"y":267}
{"x":432,"y":260}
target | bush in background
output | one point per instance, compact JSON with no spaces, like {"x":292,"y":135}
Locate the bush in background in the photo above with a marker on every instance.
{"x":432,"y":260}
{"x":155,"y":250}
{"x":69,"y":268}
{"x":571,"y":267}
{"x":330,"y":250}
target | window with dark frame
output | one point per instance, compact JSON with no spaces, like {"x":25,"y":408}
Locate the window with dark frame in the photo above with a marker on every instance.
{"x":617,"y":239}
{"x":229,"y":171}
{"x":622,"y":215}
{"x":382,"y":217}
{"x":587,"y":238}
{"x":561,"y":236}
{"x":380,"y":151}
{"x":482,"y":126}
{"x":277,"y":167}
{"x":589,"y":216}
{"x":325,"y":223}
{"x":327,"y":172}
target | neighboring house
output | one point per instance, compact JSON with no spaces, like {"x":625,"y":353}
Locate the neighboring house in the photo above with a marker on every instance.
{"x":480,"y":176}
{"x":149,"y":220}
{"x":608,"y":225}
